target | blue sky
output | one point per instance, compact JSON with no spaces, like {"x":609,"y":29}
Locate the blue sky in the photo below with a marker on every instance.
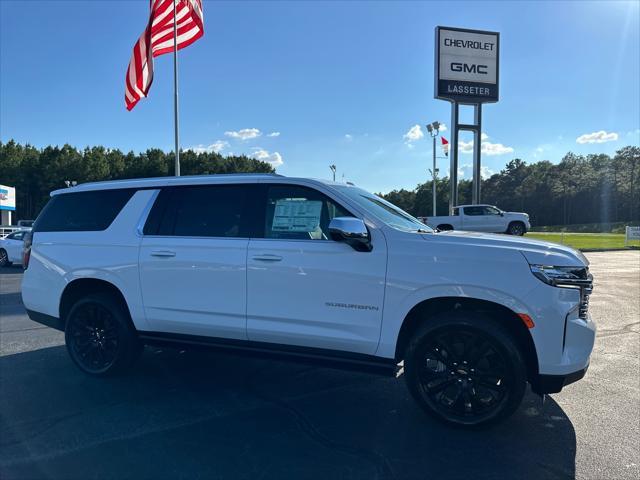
{"x":340,"y":82}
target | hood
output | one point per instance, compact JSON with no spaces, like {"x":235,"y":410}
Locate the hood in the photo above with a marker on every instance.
{"x":537,"y":252}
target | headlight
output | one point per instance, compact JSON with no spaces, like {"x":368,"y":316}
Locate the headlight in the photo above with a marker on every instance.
{"x":563,"y":276}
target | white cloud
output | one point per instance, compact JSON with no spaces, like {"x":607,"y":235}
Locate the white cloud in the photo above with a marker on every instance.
{"x":495,"y":149}
{"x":486,"y":148}
{"x":466,"y":171}
{"x":484,"y":136}
{"x":273,"y":134}
{"x":597,"y":137}
{"x":216,"y":147}
{"x":244,"y":134}
{"x":443,"y":127}
{"x":465,"y":147}
{"x":414,"y":134}
{"x":348,"y":137}
{"x":275,"y":159}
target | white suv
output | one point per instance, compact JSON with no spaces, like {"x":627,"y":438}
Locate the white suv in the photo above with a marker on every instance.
{"x":312,"y":271}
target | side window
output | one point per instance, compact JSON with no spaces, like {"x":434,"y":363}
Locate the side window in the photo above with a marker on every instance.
{"x":200,"y":211}
{"x":82,"y":211}
{"x":456,"y":212}
{"x":299,"y":213}
{"x":16,"y":236}
{"x":473,"y":211}
{"x":491,"y":211}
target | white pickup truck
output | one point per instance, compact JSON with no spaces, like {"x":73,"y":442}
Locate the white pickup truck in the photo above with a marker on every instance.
{"x":481,"y":218}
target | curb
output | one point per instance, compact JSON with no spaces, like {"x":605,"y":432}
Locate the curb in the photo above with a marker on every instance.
{"x":617,"y":249}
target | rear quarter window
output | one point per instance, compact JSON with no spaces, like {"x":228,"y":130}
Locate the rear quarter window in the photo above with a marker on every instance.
{"x":82,"y":211}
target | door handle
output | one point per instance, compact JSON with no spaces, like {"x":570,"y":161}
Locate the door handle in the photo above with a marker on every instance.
{"x":163,"y":253}
{"x":267,"y":258}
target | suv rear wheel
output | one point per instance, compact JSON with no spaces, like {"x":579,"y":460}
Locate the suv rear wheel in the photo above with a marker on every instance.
{"x":99,"y":336}
{"x":516,"y":228}
{"x":464,"y":369}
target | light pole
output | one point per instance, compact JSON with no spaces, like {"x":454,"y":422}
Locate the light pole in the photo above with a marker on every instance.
{"x":70,"y":183}
{"x":433,"y":128}
{"x":333,"y":169}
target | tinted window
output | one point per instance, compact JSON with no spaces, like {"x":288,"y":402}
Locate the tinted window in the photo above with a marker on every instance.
{"x":456,"y":211}
{"x":299,"y":213}
{"x":474,"y":211}
{"x":82,"y":211}
{"x":15,"y":236}
{"x":200,"y":211}
{"x":491,"y":211}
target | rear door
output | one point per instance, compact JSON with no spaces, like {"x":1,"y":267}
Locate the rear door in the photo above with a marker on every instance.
{"x":193,"y":260}
{"x":14,"y":245}
{"x":474,"y":219}
{"x":305,"y":289}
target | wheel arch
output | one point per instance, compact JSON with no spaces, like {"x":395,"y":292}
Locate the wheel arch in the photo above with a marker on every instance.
{"x":431,"y":307}
{"x":81,"y":287}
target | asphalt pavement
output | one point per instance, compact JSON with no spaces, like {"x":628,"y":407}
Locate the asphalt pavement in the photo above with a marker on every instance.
{"x":189,"y":414}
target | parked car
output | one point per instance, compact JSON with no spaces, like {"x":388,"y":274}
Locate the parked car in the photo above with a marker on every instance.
{"x":25,"y":224}
{"x":311,"y":271}
{"x":11,"y":248}
{"x":481,"y":218}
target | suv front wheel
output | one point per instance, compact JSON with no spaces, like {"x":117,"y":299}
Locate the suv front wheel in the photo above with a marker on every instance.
{"x":465,"y":369}
{"x":99,"y":336}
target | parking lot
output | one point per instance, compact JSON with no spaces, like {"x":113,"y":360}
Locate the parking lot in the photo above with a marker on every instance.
{"x":189,"y":414}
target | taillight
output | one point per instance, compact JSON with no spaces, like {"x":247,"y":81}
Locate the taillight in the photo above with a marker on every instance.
{"x":26,"y":249}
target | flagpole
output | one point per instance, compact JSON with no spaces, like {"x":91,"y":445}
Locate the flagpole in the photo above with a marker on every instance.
{"x":175,"y":88}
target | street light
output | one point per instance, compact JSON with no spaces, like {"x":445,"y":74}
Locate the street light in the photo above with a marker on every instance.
{"x":433,"y":128}
{"x":70,"y":183}
{"x":333,"y":169}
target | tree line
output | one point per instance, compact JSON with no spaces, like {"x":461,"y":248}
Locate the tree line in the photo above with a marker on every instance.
{"x":580,"y":189}
{"x":36,"y":172}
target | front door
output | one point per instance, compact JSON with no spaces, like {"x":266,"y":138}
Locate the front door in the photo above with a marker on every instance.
{"x":193,"y":261}
{"x":305,"y":289}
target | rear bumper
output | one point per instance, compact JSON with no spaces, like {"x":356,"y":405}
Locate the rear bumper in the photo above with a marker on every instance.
{"x":555,"y":383}
{"x":44,"y":319}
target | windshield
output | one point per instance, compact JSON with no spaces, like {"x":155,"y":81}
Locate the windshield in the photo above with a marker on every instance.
{"x":383,"y":210}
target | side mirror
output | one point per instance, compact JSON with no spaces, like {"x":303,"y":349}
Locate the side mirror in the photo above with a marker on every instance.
{"x":352,"y":231}
{"x":502,"y":214}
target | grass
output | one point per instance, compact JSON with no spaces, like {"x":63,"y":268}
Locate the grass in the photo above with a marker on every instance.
{"x":618,"y":227}
{"x":584,"y":241}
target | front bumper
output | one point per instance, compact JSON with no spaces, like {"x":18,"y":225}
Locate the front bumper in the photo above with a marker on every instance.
{"x":542,"y":384}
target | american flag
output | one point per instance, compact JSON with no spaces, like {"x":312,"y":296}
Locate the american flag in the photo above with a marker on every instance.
{"x":157,"y":39}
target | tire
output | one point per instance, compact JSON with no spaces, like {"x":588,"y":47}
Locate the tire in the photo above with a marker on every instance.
{"x":4,"y":258}
{"x":464,"y":369}
{"x":516,"y":228}
{"x":99,"y":336}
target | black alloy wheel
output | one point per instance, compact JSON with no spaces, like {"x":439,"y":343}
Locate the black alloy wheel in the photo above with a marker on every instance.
{"x":465,"y":375}
{"x":516,"y":228}
{"x":99,"y":337}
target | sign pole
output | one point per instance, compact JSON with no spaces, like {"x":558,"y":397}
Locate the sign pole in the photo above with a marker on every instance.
{"x":453,"y":160}
{"x":433,"y":177}
{"x":477,"y":150}
{"x":175,"y":89}
{"x":467,"y":72}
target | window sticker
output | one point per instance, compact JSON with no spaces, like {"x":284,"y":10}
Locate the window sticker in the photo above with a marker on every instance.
{"x":296,"y":215}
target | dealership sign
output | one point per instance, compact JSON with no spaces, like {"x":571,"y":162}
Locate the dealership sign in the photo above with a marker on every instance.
{"x":467,"y":65}
{"x":7,"y":198}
